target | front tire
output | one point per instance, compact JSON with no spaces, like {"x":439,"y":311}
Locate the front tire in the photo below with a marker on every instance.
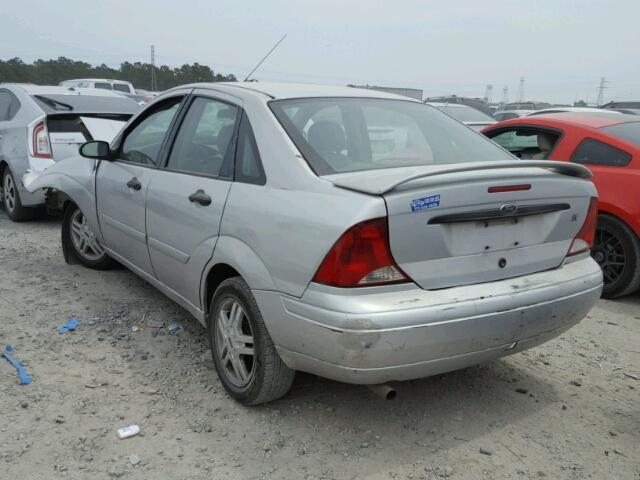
{"x":244,"y":355}
{"x":617,"y":250}
{"x":11,"y":199}
{"x":80,"y":241}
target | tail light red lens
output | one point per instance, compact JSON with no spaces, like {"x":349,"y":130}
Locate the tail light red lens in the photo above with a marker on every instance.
{"x":585,"y":237}
{"x":360,"y":258}
{"x":40,"y":147}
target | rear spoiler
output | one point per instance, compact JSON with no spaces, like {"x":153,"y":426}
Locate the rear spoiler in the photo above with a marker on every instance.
{"x":392,"y":182}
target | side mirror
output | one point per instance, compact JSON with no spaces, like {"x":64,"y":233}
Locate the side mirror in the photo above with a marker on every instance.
{"x":98,"y":150}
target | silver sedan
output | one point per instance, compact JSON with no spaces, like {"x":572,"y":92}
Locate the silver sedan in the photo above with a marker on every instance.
{"x":352,"y":234}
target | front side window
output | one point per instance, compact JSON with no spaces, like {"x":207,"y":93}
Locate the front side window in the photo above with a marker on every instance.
{"x":349,"y":134}
{"x":204,"y":144}
{"x":142,"y":143}
{"x":593,"y":152}
{"x":102,"y":85}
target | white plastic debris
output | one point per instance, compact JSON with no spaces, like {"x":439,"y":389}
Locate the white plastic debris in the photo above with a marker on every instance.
{"x":130,"y":431}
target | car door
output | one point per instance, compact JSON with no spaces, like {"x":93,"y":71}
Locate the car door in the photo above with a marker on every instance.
{"x":121,"y":185}
{"x":186,"y":197}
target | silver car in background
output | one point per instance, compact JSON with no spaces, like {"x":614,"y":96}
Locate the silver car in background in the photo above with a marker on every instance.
{"x":471,"y":117}
{"x":352,"y":234}
{"x":40,"y":125}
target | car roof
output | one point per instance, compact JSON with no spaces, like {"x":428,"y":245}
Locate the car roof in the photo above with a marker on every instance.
{"x":447,"y":104}
{"x":31,"y":89}
{"x":108,"y":80}
{"x":575,"y":119}
{"x":296,"y":90}
{"x":568,"y":109}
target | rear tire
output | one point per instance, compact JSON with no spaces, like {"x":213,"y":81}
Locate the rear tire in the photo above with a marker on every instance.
{"x":244,"y":355}
{"x":11,"y":199}
{"x":617,"y":251}
{"x":79,"y":240}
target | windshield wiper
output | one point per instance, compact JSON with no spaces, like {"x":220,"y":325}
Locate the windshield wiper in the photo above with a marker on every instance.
{"x":54,"y":103}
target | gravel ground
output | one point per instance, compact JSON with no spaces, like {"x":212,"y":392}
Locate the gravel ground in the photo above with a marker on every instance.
{"x":569,"y":409}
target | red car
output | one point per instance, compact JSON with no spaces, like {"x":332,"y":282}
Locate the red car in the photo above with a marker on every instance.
{"x":609,"y":144}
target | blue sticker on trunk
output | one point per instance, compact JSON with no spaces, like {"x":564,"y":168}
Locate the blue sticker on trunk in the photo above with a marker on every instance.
{"x":425,"y":203}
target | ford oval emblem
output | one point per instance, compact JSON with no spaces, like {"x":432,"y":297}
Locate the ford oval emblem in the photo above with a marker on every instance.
{"x":508,"y":208}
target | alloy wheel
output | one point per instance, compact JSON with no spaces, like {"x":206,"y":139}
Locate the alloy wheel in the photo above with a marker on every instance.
{"x":235,"y":343}
{"x":83,"y":238}
{"x":9,"y":190}
{"x":609,"y":253}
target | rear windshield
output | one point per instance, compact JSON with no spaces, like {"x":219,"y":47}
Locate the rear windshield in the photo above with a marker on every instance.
{"x":466,"y":114}
{"x":626,"y":131}
{"x":86,"y":104}
{"x":350,"y":134}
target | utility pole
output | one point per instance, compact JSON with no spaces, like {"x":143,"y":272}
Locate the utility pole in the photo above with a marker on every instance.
{"x":603,"y":82}
{"x":505,"y":95}
{"x":521,"y":90}
{"x":488,"y":93}
{"x":154,"y":85}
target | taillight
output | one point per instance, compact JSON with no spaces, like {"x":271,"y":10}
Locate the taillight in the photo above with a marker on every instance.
{"x":360,"y":258}
{"x":40,"y":141}
{"x":585,"y":237}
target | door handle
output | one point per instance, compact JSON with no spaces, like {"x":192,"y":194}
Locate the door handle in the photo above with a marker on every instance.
{"x":200,"y":197}
{"x":134,"y":183}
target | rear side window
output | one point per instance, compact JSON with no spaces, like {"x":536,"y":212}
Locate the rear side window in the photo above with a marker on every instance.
{"x":9,"y":105}
{"x":204,"y":143}
{"x":504,"y":116}
{"x":248,"y":164}
{"x":121,"y":87}
{"x":142,"y":143}
{"x":593,"y":152}
{"x":102,"y":85}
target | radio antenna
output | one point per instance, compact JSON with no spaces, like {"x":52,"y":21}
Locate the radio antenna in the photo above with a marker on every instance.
{"x":265,"y":57}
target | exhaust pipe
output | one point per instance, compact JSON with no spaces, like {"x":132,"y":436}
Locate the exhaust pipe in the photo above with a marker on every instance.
{"x":383,"y":391}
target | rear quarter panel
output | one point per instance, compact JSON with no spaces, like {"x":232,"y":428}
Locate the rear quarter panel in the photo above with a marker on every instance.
{"x":618,"y":187}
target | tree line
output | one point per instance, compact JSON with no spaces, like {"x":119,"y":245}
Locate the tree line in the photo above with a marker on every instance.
{"x":53,"y":71}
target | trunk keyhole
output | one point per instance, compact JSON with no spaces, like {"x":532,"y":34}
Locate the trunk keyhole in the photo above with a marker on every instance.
{"x":502,"y":262}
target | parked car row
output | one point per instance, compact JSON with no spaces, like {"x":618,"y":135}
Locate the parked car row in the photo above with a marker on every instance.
{"x":356,"y":235}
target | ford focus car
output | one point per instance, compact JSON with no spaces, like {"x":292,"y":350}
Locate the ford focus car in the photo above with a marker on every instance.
{"x":356,"y":235}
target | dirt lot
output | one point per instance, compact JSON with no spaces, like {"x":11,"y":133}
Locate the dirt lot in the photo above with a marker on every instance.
{"x":568,"y":409}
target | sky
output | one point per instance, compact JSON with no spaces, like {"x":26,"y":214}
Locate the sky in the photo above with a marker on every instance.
{"x":562,"y":48}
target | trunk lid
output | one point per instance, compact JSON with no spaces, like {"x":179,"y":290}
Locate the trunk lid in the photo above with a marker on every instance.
{"x":67,"y":132}
{"x":455,"y":226}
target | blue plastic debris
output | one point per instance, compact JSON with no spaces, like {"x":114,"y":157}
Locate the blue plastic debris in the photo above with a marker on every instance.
{"x":24,"y":376}
{"x":174,"y":328}
{"x":70,"y":326}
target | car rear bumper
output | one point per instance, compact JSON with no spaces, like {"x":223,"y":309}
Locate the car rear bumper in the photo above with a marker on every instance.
{"x":366,"y":337}
{"x":36,"y":167}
